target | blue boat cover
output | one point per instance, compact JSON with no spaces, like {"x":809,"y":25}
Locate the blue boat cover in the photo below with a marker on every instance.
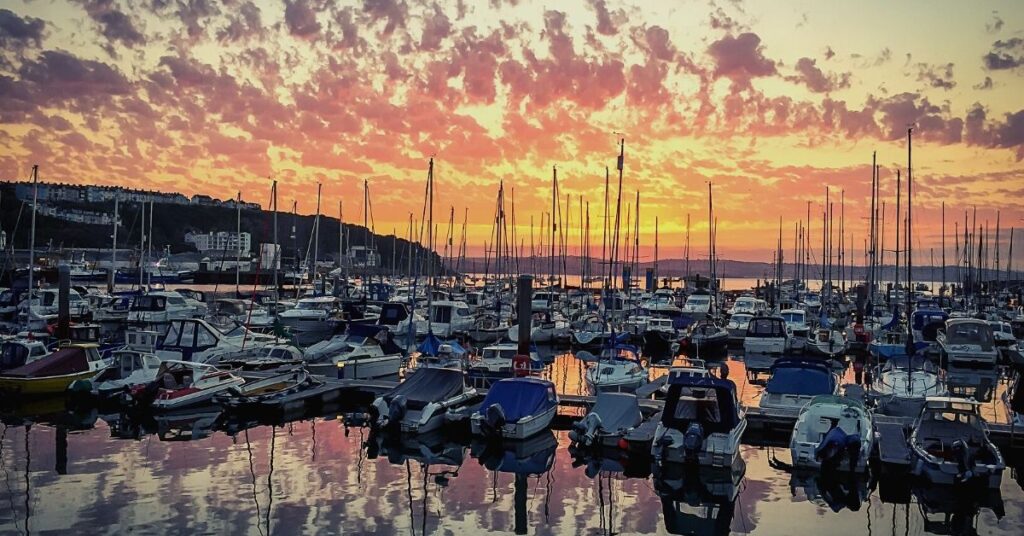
{"x":428,"y":385}
{"x":824,"y":322}
{"x":432,"y":346}
{"x":520,"y":397}
{"x":688,"y":401}
{"x":800,"y":377}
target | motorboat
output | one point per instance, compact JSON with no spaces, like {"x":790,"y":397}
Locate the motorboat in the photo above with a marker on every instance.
{"x":196,"y":340}
{"x":794,"y":382}
{"x":419,"y":404}
{"x":435,"y":353}
{"x":545,"y":301}
{"x":498,"y":361}
{"x":113,"y":309}
{"x":308,"y":320}
{"x":663,"y":303}
{"x":967,"y":342}
{"x":253,"y":394}
{"x":950,"y":444}
{"x":133,"y":365}
{"x":40,"y":310}
{"x":925,"y":325}
{"x":183,"y":384}
{"x":446,"y":318}
{"x":798,"y":328}
{"x":702,"y":422}
{"x":748,"y":305}
{"x":1002,"y":333}
{"x":545,"y":328}
{"x":488,"y":327}
{"x":363,"y":352}
{"x":828,"y":342}
{"x":613,"y":416}
{"x":707,"y":338}
{"x":832,"y":432}
{"x":515,"y":408}
{"x":53,"y":373}
{"x":398,"y":318}
{"x":246,"y":312}
{"x":162,"y":307}
{"x":698,"y":305}
{"x":18,"y":352}
{"x":737,"y":327}
{"x":900,"y":385}
{"x":617,"y":369}
{"x":594,"y":332}
{"x":766,"y":335}
{"x":888,"y":344}
{"x":660,"y":336}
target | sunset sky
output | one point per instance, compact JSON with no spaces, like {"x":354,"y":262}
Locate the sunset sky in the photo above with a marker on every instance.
{"x":770,"y":101}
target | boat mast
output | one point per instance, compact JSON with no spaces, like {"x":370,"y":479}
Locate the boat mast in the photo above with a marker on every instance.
{"x":142,"y":245}
{"x":316,"y":236}
{"x":908,"y":245}
{"x":942,"y":289}
{"x":277,"y":248}
{"x":32,"y":232}
{"x":238,"y":244}
{"x":112,"y":274}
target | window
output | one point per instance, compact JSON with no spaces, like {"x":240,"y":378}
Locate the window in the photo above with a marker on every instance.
{"x":204,"y":337}
{"x":173,"y":334}
{"x":188,"y":335}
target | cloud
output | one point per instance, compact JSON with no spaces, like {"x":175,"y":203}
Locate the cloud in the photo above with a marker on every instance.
{"x":605,"y":24}
{"x":114,"y":24}
{"x":1010,"y":134}
{"x":740,"y":58}
{"x":301,"y":19}
{"x":435,"y":29}
{"x":984,"y":84}
{"x":936,"y":76}
{"x":243,"y":23}
{"x":392,"y":11}
{"x":811,"y":76}
{"x":995,"y":25}
{"x":17,"y":32}
{"x":1005,"y":55}
{"x":933,"y":123}
{"x":60,"y":75}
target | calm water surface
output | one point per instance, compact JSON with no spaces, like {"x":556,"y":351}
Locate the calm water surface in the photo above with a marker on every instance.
{"x":204,"y":473}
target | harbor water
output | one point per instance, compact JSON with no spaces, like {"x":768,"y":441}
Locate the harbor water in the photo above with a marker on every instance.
{"x":205,"y":473}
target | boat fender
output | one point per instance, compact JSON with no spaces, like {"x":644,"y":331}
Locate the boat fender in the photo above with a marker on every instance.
{"x":964,"y":460}
{"x":494,"y":419}
{"x":693,"y":441}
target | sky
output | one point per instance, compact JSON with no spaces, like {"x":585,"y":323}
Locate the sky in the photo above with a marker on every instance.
{"x":772,"y":103}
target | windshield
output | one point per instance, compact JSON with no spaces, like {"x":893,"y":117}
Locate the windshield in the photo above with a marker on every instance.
{"x":970,"y":333}
{"x":149,"y":303}
{"x":793,"y":318}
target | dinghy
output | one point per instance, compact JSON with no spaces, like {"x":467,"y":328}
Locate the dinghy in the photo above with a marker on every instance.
{"x":419,"y":403}
{"x":951,"y":446}
{"x":613,"y":416}
{"x":515,"y":408}
{"x":53,"y":373}
{"x":832,"y":432}
{"x":182,"y":384}
{"x":253,"y":394}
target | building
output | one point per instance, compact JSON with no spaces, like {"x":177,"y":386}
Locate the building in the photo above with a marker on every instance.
{"x":363,"y":257}
{"x":221,"y":242}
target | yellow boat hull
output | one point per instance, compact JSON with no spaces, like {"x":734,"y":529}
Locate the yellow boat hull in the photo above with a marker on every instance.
{"x":48,"y":385}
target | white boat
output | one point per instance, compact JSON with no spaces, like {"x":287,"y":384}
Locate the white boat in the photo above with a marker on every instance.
{"x":737,"y":327}
{"x":766,"y":335}
{"x":131,"y":368}
{"x":834,"y":432}
{"x":618,"y":369}
{"x":662,"y":302}
{"x":515,"y":408}
{"x":497,"y":361}
{"x":41,"y":310}
{"x":702,"y":423}
{"x":793,"y":382}
{"x":613,"y":416}
{"x":161,"y":307}
{"x":309,"y":317}
{"x":418,"y":404}
{"x":699,"y":305}
{"x":828,"y":342}
{"x":196,"y":340}
{"x":545,"y":328}
{"x":545,"y":300}
{"x":900,"y":385}
{"x":950,"y":444}
{"x":967,"y":342}
{"x":797,"y":326}
{"x":181,"y":384}
{"x":748,"y":305}
{"x":17,"y":352}
{"x":593,"y":332}
{"x":446,"y":318}
{"x":363,"y":352}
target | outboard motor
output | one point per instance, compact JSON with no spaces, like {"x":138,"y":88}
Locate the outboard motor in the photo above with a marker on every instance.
{"x":693,"y":442}
{"x":396,"y":409}
{"x":494,"y":419}
{"x":584,"y":431}
{"x":388,"y":414}
{"x":964,"y":461}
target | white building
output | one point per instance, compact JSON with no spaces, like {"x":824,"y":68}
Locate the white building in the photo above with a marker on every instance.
{"x":221,"y":242}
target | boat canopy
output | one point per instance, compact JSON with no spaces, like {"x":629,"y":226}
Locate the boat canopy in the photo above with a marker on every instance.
{"x":432,"y":346}
{"x":428,"y":385}
{"x":520,"y":397}
{"x":618,"y":411}
{"x":707,"y":400}
{"x":922,"y":317}
{"x":800,"y":377}
{"x":766,"y":326}
{"x":836,"y":400}
{"x":392,"y":313}
{"x":378,"y":333}
{"x":64,"y":361}
{"x":972,"y":332}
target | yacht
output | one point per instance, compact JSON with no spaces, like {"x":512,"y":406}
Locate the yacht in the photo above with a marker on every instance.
{"x":766,"y":335}
{"x":308,"y":320}
{"x":699,"y":305}
{"x":900,"y":385}
{"x":793,"y":382}
{"x":737,"y":327}
{"x":498,"y":361}
{"x":364,"y":352}
{"x":798,"y":327}
{"x":446,"y":318}
{"x":967,"y":342}
{"x":618,"y":369}
{"x":545,"y":328}
{"x":162,"y":307}
{"x":748,"y":305}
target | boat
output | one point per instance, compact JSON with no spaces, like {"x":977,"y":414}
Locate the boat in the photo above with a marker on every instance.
{"x":967,"y":342}
{"x":766,"y":335}
{"x":364,"y":352}
{"x":515,"y":408}
{"x":613,"y":416}
{"x":925,"y":324}
{"x":130,"y":368}
{"x":662,"y":303}
{"x":545,"y":301}
{"x":748,"y":305}
{"x":798,"y":328}
{"x":487,"y":327}
{"x":253,"y":394}
{"x":196,"y":340}
{"x":702,"y":423}
{"x":707,"y":338}
{"x":545,"y":328}
{"x":593,"y":332}
{"x":19,"y":351}
{"x":1013,"y":399}
{"x":793,"y":382}
{"x":498,"y":361}
{"x":888,"y":344}
{"x":163,"y":307}
{"x":900,"y":385}
{"x":446,"y":318}
{"x":832,"y":432}
{"x":53,"y":373}
{"x":308,"y":320}
{"x":419,"y":404}
{"x":950,"y":444}
{"x":617,"y":369}
{"x":183,"y":384}
{"x":828,"y":342}
{"x":737,"y":327}
{"x":699,"y":305}
{"x":660,"y":336}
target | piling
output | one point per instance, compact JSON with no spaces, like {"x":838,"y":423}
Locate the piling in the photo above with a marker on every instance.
{"x":63,"y":302}
{"x":525,"y":308}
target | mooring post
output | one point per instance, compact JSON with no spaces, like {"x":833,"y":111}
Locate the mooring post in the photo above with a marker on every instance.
{"x":524,"y":307}
{"x":63,"y":302}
